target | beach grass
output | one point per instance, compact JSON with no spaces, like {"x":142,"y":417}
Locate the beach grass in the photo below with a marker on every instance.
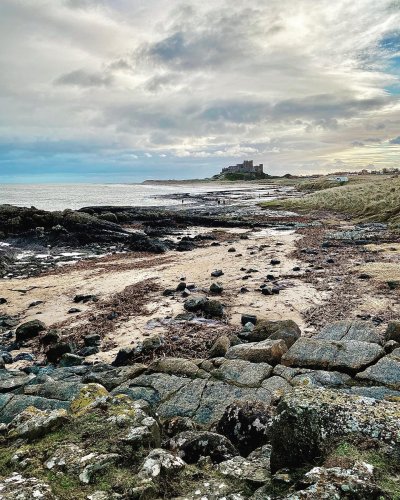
{"x":371,"y":200}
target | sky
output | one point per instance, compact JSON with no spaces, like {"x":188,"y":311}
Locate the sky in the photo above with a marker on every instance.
{"x":127,"y":90}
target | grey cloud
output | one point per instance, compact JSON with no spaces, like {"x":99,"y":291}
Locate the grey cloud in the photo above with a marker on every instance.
{"x":82,"y":78}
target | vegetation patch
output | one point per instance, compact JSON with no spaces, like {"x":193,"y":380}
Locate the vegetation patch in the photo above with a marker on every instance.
{"x":370,"y":201}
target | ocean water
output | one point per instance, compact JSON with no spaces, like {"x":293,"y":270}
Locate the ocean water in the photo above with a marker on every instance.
{"x":74,"y":196}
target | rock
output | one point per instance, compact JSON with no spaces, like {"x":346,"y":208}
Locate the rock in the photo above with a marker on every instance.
{"x":74,"y":310}
{"x":181,"y":286}
{"x":18,"y":487}
{"x":35,"y":303}
{"x":347,"y":356}
{"x":88,"y":397}
{"x":389,"y":346}
{"x":195,"y":303}
{"x":12,"y":380}
{"x":321,"y":378}
{"x":217,"y":273}
{"x":393,"y":284}
{"x":247,"y":424}
{"x":350,"y":330}
{"x":54,"y":353}
{"x":220,"y":347}
{"x":216,"y":288}
{"x":24,"y":356}
{"x":386,"y":371}
{"x":335,"y":482}
{"x":268,"y":351}
{"x":124,"y":357}
{"x":254,"y":471}
{"x":50,"y":337}
{"x":12,"y":405}
{"x":29,"y":330}
{"x":286,"y":330}
{"x":191,"y":445}
{"x":32,"y":423}
{"x":277,"y":387}
{"x":275,"y":262}
{"x":177,"y":366}
{"x":110,"y":377}
{"x":231,"y":249}
{"x":393,"y":331}
{"x":88,"y":351}
{"x":92,"y":340}
{"x":243,"y":373}
{"x":3,"y":301}
{"x":204,"y":401}
{"x":213,"y":309}
{"x":69,"y":359}
{"x":160,"y":463}
{"x":248,"y":318}
{"x":84,"y":298}
{"x":6,"y":356}
{"x":309,"y":420}
{"x":152,"y":343}
{"x":175,"y":425}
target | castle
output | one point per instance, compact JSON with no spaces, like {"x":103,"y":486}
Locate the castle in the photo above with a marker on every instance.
{"x":246,"y":167}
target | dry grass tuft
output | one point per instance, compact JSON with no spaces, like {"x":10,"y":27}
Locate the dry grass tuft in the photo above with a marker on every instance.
{"x":373,"y":200}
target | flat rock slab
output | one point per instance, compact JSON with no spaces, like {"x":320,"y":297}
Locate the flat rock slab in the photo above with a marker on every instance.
{"x":309,"y":419}
{"x":202,"y":400}
{"x":268,"y":351}
{"x":348,"y":356}
{"x":386,"y":371}
{"x":13,"y":405}
{"x":350,"y":330}
{"x":243,"y":373}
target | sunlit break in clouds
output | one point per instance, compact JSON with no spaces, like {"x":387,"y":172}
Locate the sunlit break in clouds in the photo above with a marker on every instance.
{"x":122,"y":90}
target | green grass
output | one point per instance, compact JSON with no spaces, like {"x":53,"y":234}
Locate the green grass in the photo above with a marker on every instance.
{"x":372,"y":200}
{"x":386,"y":467}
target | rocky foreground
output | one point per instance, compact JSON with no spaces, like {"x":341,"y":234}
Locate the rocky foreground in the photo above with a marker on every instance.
{"x":267,"y":414}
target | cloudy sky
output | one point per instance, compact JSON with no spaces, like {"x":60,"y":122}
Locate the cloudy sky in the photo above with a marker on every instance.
{"x":123,"y":90}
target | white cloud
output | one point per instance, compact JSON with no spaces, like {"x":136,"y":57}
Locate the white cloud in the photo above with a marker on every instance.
{"x":292,"y":84}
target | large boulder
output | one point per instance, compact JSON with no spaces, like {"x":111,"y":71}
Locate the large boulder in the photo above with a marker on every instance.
{"x":350,"y":330}
{"x":32,"y":423}
{"x":247,"y":424}
{"x":268,"y":351}
{"x":29,"y":330}
{"x":393,"y":331}
{"x":191,"y":445}
{"x":386,"y":371}
{"x":243,"y":373}
{"x":11,"y":380}
{"x":310,"y":420}
{"x":286,"y":330}
{"x":347,"y":356}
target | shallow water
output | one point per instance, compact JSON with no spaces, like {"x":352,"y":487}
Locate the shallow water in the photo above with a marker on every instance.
{"x":75,"y":196}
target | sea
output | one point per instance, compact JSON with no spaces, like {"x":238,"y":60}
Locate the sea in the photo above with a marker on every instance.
{"x":75,"y":196}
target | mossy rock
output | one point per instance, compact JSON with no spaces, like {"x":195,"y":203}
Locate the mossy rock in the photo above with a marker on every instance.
{"x":86,"y":398}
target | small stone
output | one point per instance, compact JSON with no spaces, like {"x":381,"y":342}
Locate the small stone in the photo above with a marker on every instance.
{"x":217,"y":273}
{"x":74,"y":310}
{"x":216,"y":288}
{"x":275,"y":262}
{"x":248,"y":318}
